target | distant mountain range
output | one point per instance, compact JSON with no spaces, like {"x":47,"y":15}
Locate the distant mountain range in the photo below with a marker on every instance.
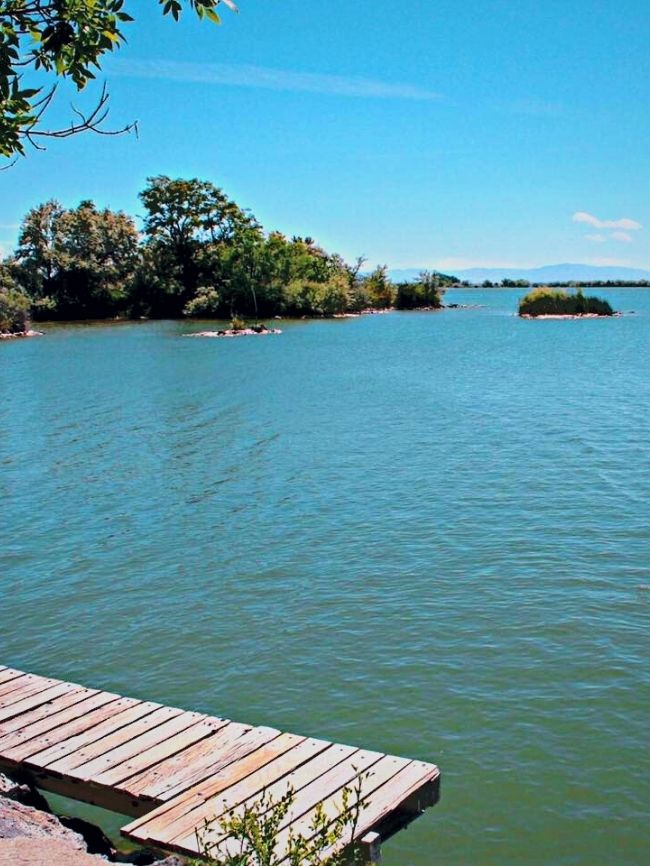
{"x":545,"y":274}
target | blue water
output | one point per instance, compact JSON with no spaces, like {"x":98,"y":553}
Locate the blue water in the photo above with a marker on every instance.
{"x":423,"y":533}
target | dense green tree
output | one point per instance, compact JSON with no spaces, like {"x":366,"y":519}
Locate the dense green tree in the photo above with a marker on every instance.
{"x":515,"y":284}
{"x":62,"y":39}
{"x":76,"y":263}
{"x":14,"y":304}
{"x":426,"y":291}
{"x":187,"y":225}
{"x":200,"y":254}
{"x":380,"y":290}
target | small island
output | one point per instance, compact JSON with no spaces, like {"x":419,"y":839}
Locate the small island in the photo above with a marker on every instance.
{"x":238,"y":328}
{"x":547,"y":303}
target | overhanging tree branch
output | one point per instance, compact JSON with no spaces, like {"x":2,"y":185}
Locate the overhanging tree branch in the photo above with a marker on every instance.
{"x":64,"y":39}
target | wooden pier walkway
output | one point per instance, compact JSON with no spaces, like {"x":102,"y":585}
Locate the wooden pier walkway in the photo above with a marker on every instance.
{"x":171,"y":770}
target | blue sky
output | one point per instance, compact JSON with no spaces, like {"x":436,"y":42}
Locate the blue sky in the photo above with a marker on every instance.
{"x":429,"y":133}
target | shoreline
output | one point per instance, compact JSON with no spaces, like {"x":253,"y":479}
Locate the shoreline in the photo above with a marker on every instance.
{"x":20,"y":335}
{"x":570,"y":316}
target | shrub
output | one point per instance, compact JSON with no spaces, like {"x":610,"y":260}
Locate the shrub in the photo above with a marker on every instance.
{"x":380,"y":290}
{"x":205,"y":303}
{"x":426,"y":291}
{"x":237,"y":324}
{"x":313,"y":298}
{"x":14,"y":311}
{"x":260,"y":834}
{"x":556,"y":302}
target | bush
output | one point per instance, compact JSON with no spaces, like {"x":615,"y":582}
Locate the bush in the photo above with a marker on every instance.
{"x":426,"y":291}
{"x":206,"y":303}
{"x":14,"y":311}
{"x":312,"y":298}
{"x":556,"y":302}
{"x":379,"y":288}
{"x":259,"y":834}
{"x":237,"y":324}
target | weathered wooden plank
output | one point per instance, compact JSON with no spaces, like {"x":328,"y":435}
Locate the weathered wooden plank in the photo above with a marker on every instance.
{"x":173,"y":809}
{"x":385,"y":798}
{"x":8,"y":677}
{"x":380,"y":773}
{"x":313,"y":782}
{"x":370,"y":846}
{"x":106,"y":798}
{"x":46,"y":710}
{"x":97,"y":725}
{"x":199,"y":804}
{"x":233,"y":751}
{"x":185,"y":768}
{"x":151,"y":782}
{"x":23,"y":687}
{"x":231,"y":795}
{"x":11,"y":673}
{"x":116,"y":735}
{"x":335,"y":779}
{"x":34,"y":700}
{"x":97,"y":769}
{"x":46,"y":718}
{"x":145,"y":758}
{"x":81,"y":729}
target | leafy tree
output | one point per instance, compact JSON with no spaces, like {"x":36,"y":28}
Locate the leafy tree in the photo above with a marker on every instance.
{"x":515,"y":284}
{"x":76,"y":263}
{"x":380,"y":290}
{"x":426,"y":291}
{"x":14,"y":304}
{"x":206,"y":303}
{"x":185,"y":220}
{"x":62,"y":39}
{"x":201,"y":254}
{"x":36,"y":254}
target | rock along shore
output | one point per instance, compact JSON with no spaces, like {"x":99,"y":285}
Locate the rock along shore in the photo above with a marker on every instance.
{"x":31,"y":835}
{"x":18,"y":335}
{"x":571,"y":316}
{"x":240,"y":332}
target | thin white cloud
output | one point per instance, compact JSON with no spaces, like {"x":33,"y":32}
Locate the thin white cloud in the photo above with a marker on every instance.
{"x":624,"y":237}
{"x":244,"y":75}
{"x":589,"y":219}
{"x":596,"y":239}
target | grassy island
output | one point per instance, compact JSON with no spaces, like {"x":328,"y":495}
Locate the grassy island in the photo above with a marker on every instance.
{"x":545,"y":301}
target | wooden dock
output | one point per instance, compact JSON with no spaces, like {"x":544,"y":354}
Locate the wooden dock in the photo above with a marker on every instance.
{"x":170,"y":770}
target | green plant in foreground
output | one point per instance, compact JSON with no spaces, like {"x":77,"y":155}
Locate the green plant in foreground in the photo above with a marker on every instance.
{"x":261,"y":834}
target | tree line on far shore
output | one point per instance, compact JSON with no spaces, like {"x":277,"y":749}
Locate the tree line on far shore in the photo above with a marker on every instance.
{"x":199,"y":254}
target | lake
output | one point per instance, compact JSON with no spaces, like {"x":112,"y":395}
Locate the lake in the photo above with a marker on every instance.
{"x":422,"y":533}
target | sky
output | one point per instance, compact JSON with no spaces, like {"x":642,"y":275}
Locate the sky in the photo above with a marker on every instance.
{"x":426,"y":133}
